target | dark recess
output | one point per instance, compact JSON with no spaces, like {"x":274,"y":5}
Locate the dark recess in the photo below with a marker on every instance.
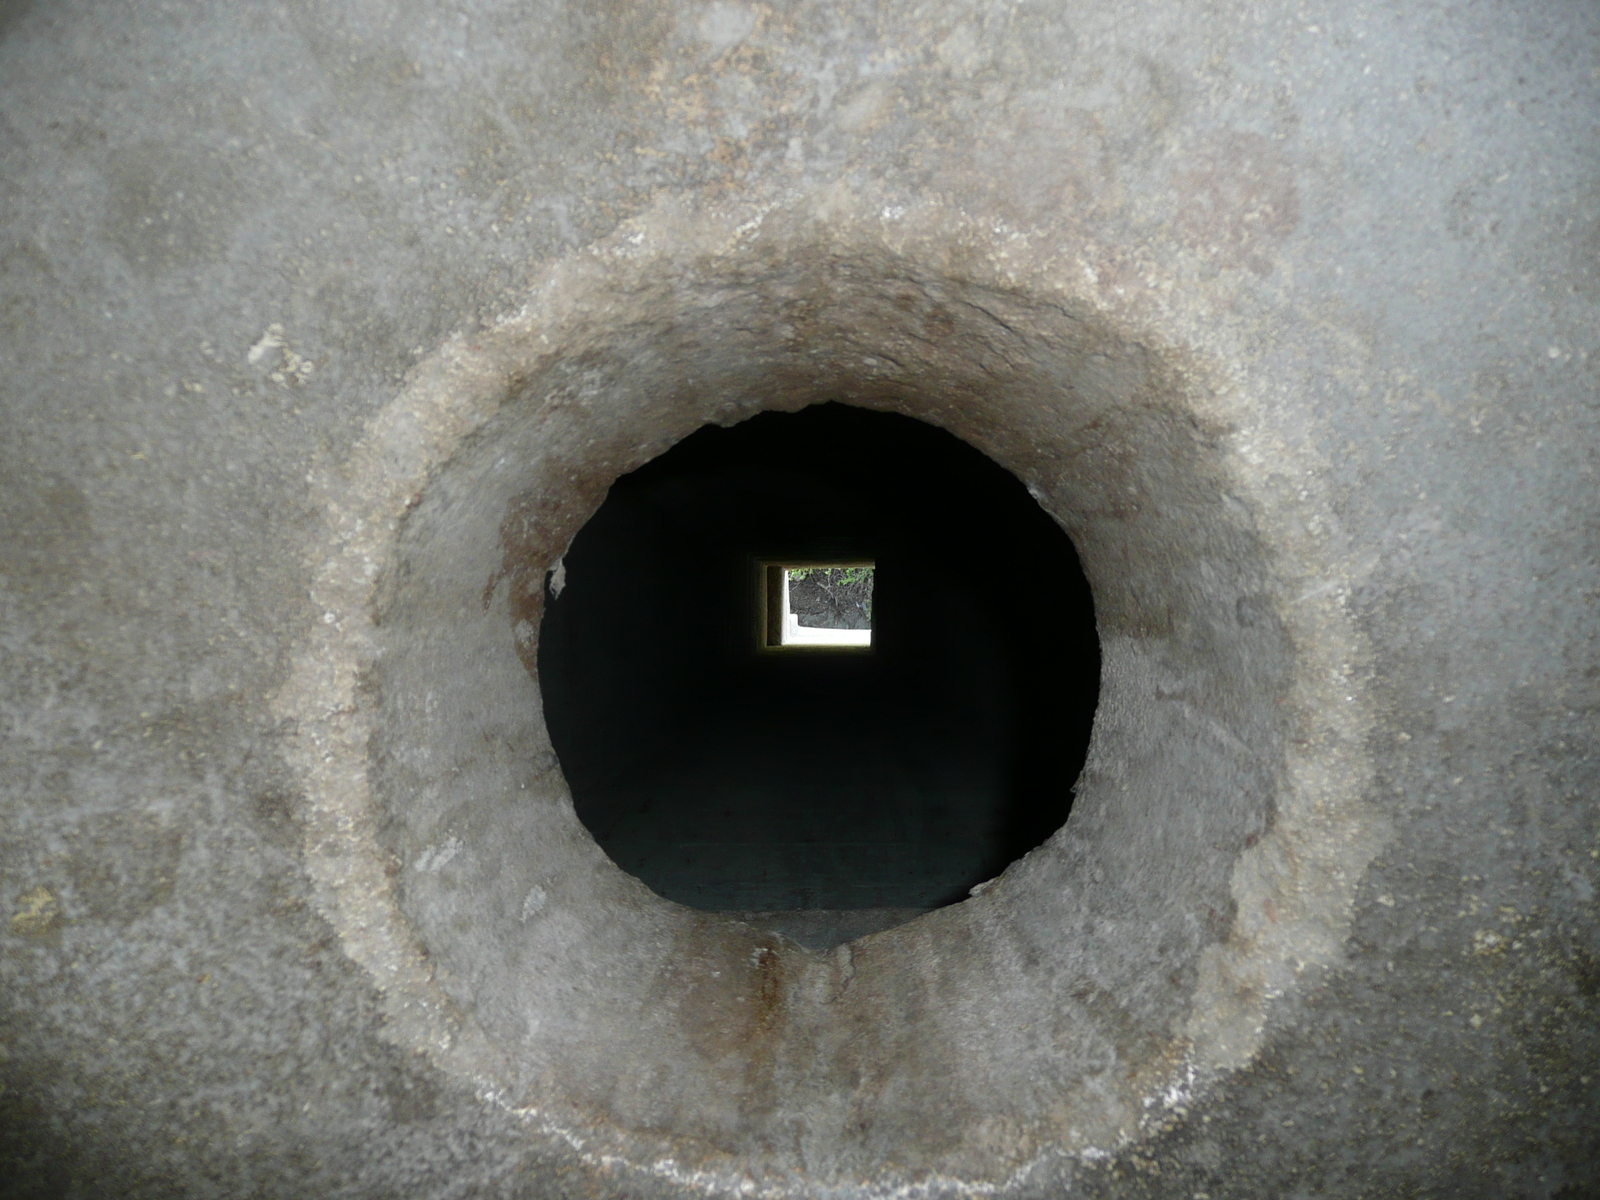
{"x":732,"y":780}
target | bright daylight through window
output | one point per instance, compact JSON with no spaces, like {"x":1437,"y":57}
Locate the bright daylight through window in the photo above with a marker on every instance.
{"x":817,"y":605}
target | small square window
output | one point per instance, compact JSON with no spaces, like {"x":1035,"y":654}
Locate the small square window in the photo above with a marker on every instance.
{"x":810,"y":605}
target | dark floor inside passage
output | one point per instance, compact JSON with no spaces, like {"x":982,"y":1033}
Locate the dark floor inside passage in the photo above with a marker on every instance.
{"x":845,"y":790}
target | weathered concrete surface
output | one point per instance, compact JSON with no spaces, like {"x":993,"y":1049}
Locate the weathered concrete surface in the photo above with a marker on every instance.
{"x":271,"y":272}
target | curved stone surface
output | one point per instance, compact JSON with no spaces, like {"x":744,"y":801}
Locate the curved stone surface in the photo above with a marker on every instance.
{"x":1287,"y":318}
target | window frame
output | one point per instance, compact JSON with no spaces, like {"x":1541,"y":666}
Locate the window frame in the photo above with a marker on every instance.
{"x":767,"y":592}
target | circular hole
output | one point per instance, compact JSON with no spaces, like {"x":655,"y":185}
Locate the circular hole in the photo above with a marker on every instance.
{"x":1215,"y":831}
{"x":827,"y":794}
{"x":924,"y":1043}
{"x":680,"y":1027}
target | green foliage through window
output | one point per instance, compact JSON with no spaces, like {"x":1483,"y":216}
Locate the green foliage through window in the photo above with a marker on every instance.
{"x":842,"y":576}
{"x":832,"y":597}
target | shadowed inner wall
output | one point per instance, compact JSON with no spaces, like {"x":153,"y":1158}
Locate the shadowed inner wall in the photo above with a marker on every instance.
{"x":871,"y":786}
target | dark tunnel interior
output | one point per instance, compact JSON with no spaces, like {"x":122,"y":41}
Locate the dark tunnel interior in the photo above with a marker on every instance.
{"x":894,"y":779}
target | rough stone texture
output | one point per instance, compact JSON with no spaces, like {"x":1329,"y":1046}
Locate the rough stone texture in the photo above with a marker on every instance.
{"x":1287,"y":313}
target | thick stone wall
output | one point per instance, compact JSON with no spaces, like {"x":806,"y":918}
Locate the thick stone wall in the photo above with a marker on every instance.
{"x":327,"y":326}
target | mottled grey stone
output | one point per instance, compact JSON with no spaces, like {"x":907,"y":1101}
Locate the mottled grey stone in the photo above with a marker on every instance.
{"x":326,"y":326}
